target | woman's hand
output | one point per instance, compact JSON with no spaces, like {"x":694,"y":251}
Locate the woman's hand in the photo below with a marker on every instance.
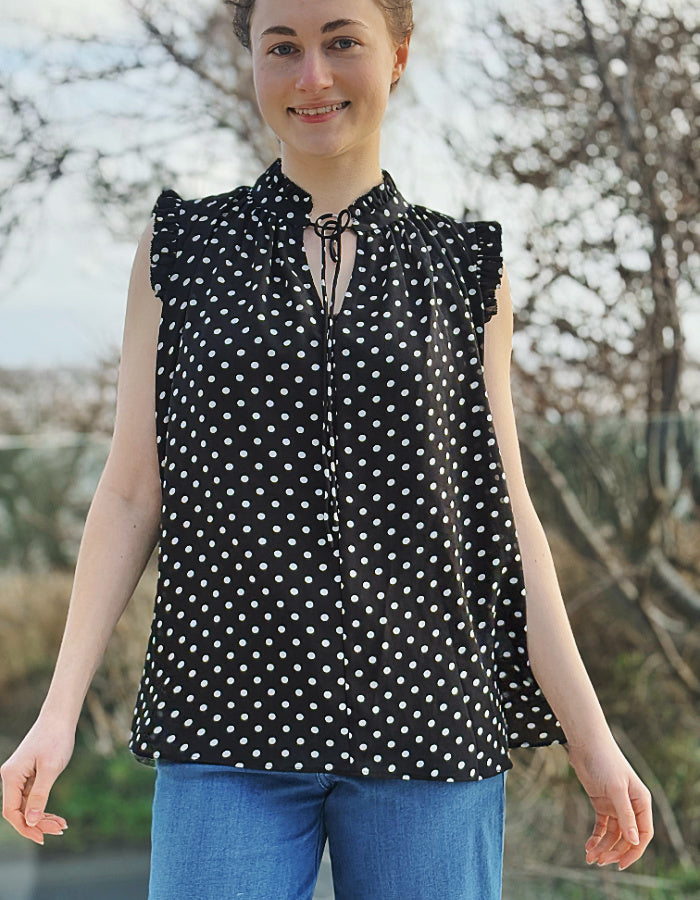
{"x":623,"y":826}
{"x":28,"y":776}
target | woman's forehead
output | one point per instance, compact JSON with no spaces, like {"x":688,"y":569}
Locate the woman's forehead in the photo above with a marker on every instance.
{"x":321,"y":12}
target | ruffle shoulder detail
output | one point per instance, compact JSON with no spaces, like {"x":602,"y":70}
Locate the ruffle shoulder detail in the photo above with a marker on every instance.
{"x":168,"y":229}
{"x":485,"y":244}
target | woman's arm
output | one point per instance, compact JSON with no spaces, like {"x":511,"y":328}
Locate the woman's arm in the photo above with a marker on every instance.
{"x":622,"y":803}
{"x":120,"y":532}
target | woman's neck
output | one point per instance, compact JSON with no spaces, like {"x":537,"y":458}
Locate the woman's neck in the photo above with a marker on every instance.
{"x":333,"y":183}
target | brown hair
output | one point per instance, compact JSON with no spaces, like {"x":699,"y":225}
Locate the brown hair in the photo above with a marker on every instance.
{"x":398,"y":15}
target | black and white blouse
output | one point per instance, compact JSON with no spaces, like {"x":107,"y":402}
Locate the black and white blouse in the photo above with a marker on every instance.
{"x":340,"y":588}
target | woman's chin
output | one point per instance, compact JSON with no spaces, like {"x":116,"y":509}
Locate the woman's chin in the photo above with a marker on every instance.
{"x":317,"y":149}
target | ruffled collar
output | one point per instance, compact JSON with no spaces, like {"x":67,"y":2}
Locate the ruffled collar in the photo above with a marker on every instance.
{"x":276,"y":193}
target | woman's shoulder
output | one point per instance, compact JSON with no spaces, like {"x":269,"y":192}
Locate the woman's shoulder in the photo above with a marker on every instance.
{"x":185,"y":222}
{"x":464,"y":226}
{"x":474,"y":245}
{"x":172,"y":204}
{"x":479,"y":241}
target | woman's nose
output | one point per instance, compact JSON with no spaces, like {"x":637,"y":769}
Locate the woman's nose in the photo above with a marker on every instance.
{"x":315,"y":72}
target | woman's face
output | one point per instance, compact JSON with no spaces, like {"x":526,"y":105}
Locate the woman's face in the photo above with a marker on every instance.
{"x":311,"y":54}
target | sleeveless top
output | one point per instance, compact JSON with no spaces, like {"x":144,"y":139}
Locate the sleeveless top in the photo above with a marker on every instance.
{"x":340,"y":587}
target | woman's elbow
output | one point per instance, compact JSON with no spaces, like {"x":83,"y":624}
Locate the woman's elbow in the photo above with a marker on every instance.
{"x":135,"y":477}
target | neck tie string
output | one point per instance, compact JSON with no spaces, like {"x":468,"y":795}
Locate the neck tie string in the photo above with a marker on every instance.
{"x":330,"y":229}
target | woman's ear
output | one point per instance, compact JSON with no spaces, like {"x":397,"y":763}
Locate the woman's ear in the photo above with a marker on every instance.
{"x":400,"y":61}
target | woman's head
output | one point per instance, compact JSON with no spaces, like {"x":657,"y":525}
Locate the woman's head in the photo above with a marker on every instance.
{"x":343,"y":56}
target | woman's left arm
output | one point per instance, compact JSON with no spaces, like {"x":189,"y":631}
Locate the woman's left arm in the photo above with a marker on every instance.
{"x":622,"y":803}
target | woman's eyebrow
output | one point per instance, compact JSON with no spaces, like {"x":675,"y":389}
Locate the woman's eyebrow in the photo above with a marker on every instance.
{"x":329,"y":26}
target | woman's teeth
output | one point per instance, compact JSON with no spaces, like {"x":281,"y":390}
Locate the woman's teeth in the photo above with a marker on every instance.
{"x":322,"y":110}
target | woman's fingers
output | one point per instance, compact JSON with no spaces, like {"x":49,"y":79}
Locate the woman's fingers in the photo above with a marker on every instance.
{"x":631,"y":856}
{"x":38,"y":793}
{"x":606,"y":843}
{"x":614,"y":853}
{"x":49,"y":826}
{"x":633,"y":810}
{"x":24,"y":795}
{"x":601,"y":823}
{"x":624,"y":843}
{"x":625,"y":814}
{"x":645,"y":825}
{"x":58,"y":819}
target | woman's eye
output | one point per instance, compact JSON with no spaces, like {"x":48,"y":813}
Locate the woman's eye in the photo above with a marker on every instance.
{"x":287,"y":49}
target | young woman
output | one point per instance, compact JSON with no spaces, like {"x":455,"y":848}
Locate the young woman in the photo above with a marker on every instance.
{"x":314,"y":421}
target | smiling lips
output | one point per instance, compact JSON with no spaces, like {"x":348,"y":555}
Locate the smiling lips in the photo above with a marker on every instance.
{"x":319,"y":110}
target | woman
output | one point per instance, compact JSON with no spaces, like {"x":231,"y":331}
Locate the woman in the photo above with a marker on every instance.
{"x":314,"y":421}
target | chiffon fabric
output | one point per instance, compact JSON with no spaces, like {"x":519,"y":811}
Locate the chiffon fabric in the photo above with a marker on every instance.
{"x":340,"y":588}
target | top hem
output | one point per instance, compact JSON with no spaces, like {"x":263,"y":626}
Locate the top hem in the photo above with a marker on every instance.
{"x":151,"y":761}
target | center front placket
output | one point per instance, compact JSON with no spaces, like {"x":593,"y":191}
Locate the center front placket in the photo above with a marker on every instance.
{"x":330,"y":229}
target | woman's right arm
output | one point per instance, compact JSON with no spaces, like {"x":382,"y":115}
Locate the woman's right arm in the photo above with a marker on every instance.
{"x":120,"y":533}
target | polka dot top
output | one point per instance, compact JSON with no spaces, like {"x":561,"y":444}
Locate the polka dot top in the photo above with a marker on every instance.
{"x":339,"y":583}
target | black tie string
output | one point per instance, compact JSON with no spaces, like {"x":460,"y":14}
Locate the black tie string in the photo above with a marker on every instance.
{"x":330,"y":229}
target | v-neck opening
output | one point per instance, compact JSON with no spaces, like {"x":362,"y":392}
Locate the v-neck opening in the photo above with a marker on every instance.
{"x":316,"y":289}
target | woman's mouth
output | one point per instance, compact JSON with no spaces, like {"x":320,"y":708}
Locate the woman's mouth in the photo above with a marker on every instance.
{"x":319,"y":113}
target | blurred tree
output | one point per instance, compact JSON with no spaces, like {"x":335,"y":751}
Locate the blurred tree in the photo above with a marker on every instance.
{"x":600,"y":119}
{"x":54,"y":433}
{"x":184,"y":79}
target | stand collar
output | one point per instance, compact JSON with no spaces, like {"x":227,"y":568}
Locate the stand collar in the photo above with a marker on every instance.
{"x":274,"y":192}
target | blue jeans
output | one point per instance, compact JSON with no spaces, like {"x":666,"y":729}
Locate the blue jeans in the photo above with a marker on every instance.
{"x":221,"y":832}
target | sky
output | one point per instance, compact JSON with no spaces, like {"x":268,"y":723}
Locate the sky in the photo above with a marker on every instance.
{"x":64,"y":281}
{"x":110,"y":15}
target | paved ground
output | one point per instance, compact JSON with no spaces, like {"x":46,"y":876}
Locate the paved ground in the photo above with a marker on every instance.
{"x":105,"y":876}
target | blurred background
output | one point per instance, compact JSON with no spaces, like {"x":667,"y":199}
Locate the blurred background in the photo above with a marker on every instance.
{"x":574,"y":123}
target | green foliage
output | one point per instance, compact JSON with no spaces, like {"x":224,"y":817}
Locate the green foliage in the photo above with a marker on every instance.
{"x":104,"y":800}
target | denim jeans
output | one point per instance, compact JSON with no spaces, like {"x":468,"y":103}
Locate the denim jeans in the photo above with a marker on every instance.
{"x":220,"y":833}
